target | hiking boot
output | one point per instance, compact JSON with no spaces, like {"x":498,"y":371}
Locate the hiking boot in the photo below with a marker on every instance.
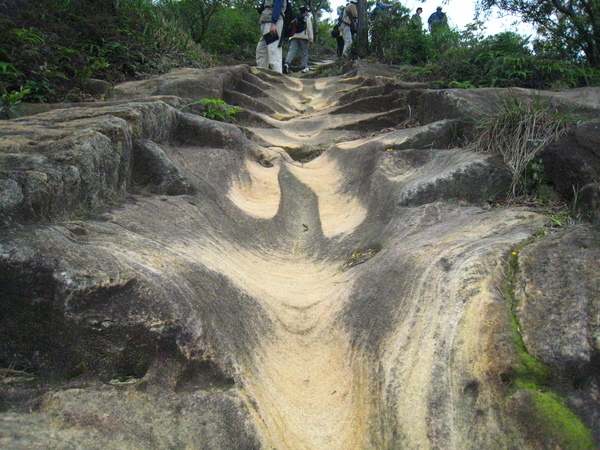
{"x":306,"y":69}
{"x":286,"y":68}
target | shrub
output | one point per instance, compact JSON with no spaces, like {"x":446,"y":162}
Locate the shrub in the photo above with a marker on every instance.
{"x":234,"y":32}
{"x":519,"y":132}
{"x":214,"y":109}
{"x":9,"y":103}
{"x":51,"y":47}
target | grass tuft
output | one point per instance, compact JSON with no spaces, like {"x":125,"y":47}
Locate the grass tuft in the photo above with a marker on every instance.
{"x":519,"y":132}
{"x":214,"y":109}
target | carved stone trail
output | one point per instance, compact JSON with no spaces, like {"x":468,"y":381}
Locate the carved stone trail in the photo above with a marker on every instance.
{"x":327,"y":273}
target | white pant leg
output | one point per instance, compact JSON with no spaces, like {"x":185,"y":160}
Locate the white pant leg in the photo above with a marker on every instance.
{"x":269,"y":56}
{"x":275,"y":51}
{"x":262,"y":59}
{"x":347,"y":35}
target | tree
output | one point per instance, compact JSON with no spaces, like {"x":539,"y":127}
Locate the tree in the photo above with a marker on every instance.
{"x":362,"y":35}
{"x":573,"y":24}
{"x":195,"y":15}
{"x":318,"y":7}
{"x":233,"y":32}
{"x":385,"y":28}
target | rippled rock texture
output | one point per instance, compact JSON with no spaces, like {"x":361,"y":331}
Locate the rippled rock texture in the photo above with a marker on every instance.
{"x":326,"y":273}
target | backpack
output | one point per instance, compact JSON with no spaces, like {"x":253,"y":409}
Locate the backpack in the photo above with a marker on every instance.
{"x":288,"y":18}
{"x":298,"y":25}
{"x":335,"y":32}
{"x":437,"y":18}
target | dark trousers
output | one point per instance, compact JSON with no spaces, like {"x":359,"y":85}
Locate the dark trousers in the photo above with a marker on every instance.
{"x":340,"y":46}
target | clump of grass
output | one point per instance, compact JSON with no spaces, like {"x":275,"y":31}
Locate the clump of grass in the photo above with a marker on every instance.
{"x":10,"y":375}
{"x":558,"y":220}
{"x":214,"y":109}
{"x":519,"y":132}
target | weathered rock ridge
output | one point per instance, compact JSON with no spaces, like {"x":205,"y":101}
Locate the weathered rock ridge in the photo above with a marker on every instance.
{"x":328,"y":272}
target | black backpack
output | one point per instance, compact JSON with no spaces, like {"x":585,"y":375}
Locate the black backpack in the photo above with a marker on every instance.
{"x":298,"y":25}
{"x":288,"y":19}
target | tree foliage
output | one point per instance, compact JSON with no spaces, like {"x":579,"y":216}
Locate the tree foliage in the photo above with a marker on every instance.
{"x":50,"y":48}
{"x":194,"y":15}
{"x":233,"y":32}
{"x":395,"y":39}
{"x":571,"y":26}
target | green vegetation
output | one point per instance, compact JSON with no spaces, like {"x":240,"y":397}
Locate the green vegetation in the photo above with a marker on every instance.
{"x":570,"y":29}
{"x":559,"y":217}
{"x":215,"y":109}
{"x":50,"y":48}
{"x":518,"y":133}
{"x":9,"y":103}
{"x":529,"y":372}
{"x":547,"y":413}
{"x":561,"y":423}
{"x":467,"y":59}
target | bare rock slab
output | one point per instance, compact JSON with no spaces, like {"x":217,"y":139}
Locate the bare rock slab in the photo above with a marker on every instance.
{"x":327,"y":272}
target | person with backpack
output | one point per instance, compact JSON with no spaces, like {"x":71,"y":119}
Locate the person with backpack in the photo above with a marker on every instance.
{"x":268,"y":52}
{"x":302,"y":36}
{"x":382,"y":7}
{"x":437,"y":21}
{"x":348,"y":26}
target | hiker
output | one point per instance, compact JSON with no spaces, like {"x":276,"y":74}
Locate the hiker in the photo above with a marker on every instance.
{"x":300,"y":40}
{"x":348,"y":26}
{"x":268,"y":51}
{"x":437,"y":20}
{"x":416,"y":18}
{"x":379,"y":8}
{"x":336,"y":33}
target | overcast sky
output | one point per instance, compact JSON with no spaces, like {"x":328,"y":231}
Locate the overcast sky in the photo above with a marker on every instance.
{"x":460,"y":13}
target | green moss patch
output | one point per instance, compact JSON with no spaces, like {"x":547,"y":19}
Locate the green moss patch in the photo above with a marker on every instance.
{"x":570,"y":431}
{"x":542,"y":413}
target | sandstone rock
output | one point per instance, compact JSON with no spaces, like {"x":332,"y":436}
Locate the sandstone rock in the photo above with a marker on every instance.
{"x":186,"y":83}
{"x":171,"y":281}
{"x":558,"y":297}
{"x":551,"y":292}
{"x":96,"y":87}
{"x":573,"y":164}
{"x":474,"y":104}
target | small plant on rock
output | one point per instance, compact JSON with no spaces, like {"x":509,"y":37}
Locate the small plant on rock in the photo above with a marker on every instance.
{"x":9,"y":102}
{"x":214,"y":109}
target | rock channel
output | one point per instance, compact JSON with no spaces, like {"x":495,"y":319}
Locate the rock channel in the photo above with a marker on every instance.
{"x":330,"y":272}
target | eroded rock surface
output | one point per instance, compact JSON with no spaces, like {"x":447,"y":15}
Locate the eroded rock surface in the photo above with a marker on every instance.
{"x":325,"y":273}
